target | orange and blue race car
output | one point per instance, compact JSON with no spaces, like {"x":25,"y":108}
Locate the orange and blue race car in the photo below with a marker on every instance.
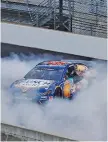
{"x":49,"y":80}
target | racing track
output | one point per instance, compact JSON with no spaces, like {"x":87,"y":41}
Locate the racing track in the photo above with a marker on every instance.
{"x":83,"y":119}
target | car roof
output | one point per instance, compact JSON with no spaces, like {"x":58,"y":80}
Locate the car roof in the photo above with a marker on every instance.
{"x":64,"y":63}
{"x":52,"y":64}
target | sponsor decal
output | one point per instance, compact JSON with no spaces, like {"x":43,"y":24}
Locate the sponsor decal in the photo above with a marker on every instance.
{"x":24,"y":86}
{"x":56,"y":63}
{"x":66,"y":89}
{"x":44,"y":97}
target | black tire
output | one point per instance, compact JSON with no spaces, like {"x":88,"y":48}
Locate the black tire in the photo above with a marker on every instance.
{"x":58,"y":93}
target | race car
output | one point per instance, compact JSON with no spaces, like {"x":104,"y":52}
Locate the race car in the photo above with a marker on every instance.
{"x":46,"y":81}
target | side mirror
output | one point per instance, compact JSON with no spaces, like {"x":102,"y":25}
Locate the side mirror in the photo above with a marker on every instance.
{"x":65,"y":77}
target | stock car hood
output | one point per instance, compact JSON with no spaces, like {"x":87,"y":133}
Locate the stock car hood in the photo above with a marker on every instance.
{"x":27,"y":84}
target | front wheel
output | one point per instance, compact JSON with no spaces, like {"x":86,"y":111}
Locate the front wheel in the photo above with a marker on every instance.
{"x":58,"y":93}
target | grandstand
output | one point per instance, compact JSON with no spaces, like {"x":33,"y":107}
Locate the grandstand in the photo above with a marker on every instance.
{"x":86,"y":17}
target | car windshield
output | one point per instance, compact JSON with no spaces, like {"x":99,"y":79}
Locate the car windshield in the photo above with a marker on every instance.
{"x":45,"y":73}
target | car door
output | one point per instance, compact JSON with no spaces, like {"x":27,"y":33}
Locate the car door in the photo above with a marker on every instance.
{"x":68,"y":82}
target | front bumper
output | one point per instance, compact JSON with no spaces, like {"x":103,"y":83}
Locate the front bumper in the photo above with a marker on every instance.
{"x":32,"y":95}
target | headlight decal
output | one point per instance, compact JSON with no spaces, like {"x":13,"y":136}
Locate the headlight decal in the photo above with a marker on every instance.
{"x":48,"y":92}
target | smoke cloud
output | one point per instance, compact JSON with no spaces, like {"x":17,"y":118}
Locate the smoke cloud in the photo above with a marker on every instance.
{"x":84,"y":118}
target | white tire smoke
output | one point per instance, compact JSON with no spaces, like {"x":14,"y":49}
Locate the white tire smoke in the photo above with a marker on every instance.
{"x":81,"y":119}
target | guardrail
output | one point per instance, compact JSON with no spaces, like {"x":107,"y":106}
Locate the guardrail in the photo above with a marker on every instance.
{"x":31,"y":135}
